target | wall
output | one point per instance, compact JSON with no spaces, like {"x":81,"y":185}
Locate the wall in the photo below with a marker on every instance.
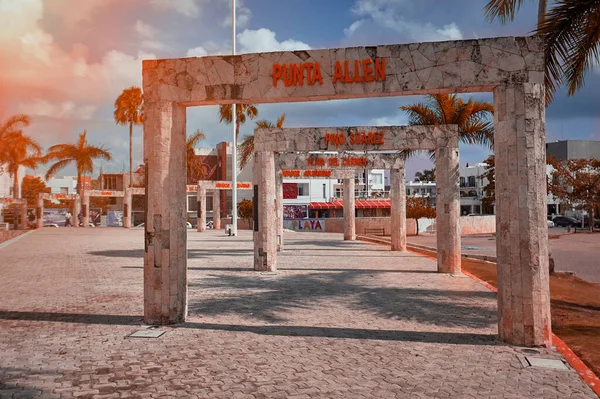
{"x":477,"y":224}
{"x":336,"y":225}
{"x":243,"y":224}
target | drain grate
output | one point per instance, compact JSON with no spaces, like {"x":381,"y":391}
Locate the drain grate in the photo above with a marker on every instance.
{"x":540,"y":362}
{"x":147,"y":334}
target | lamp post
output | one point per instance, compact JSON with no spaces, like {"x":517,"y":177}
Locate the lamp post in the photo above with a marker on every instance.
{"x":234,"y":212}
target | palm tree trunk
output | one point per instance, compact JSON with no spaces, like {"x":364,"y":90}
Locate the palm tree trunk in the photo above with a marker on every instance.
{"x":542,"y":6}
{"x":16,"y":185}
{"x":130,"y":153}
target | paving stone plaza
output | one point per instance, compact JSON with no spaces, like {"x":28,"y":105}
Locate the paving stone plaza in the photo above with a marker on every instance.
{"x":340,"y":319}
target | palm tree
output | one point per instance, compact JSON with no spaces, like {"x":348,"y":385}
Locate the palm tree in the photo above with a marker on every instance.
{"x":242,"y":111}
{"x":129,"y":109}
{"x":21,"y":151}
{"x":246,"y":147}
{"x":572,"y":42}
{"x":11,"y":126}
{"x":194,"y":167}
{"x":473,"y":118}
{"x":81,"y":154}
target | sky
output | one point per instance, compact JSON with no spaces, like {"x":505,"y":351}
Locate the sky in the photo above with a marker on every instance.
{"x":64,"y":62}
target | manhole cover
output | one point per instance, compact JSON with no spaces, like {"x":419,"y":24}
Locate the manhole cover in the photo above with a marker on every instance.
{"x":546,"y":363}
{"x":147,"y":334}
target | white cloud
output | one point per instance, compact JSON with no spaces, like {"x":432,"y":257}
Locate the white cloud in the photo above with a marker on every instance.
{"x":62,"y":110}
{"x":197,"y":52}
{"x":209,"y":48}
{"x":189,"y":8}
{"x":388,"y":14}
{"x":242,"y":15}
{"x":144,"y":29}
{"x":263,"y":40}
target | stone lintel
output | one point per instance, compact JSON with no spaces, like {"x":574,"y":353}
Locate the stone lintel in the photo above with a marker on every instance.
{"x":223,"y":185}
{"x":311,"y":174}
{"x":354,"y":138}
{"x":337,"y":161}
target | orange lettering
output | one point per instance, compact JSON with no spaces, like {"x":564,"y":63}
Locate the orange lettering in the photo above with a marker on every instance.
{"x":338,"y":74}
{"x":276,"y":73}
{"x":357,"y":77}
{"x":367,"y":70}
{"x":288,"y":75}
{"x":317,"y":74}
{"x":380,"y":69}
{"x":347,"y":78}
{"x":309,"y":67}
{"x":370,"y":138}
{"x":298,"y":74}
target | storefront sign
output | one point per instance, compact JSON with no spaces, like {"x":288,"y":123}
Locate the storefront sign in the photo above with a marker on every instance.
{"x":355,"y":71}
{"x":313,"y":225}
{"x":334,"y":162}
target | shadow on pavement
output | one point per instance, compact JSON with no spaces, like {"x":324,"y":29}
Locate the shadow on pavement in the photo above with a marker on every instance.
{"x":72,"y":317}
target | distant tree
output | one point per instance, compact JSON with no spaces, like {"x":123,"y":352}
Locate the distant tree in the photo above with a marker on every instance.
{"x":245,"y":210}
{"x":489,"y":190}
{"x":129,"y":110}
{"x":102,"y":203}
{"x":21,"y":151}
{"x":11,"y":126}
{"x":577,"y":183}
{"x":428,"y":175}
{"x":31,"y":187}
{"x":194,"y":164}
{"x":417,"y":208}
{"x":246,"y":147}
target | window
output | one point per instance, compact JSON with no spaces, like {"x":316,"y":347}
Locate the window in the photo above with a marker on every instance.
{"x":408,"y":191}
{"x":302,"y":189}
{"x":192,"y":203}
{"x":471,"y":181}
{"x":324,"y":190}
{"x":377,"y":179}
{"x":462,"y":181}
{"x":64,"y":190}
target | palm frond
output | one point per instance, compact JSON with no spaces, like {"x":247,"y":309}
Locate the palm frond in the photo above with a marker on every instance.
{"x":194,"y":139}
{"x":53,"y":169}
{"x":504,"y":10}
{"x":14,"y":124}
{"x":246,"y":150}
{"x":280,"y":121}
{"x":420,"y":114}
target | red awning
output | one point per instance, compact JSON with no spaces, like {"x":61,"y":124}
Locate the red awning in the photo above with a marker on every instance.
{"x":359,"y":204}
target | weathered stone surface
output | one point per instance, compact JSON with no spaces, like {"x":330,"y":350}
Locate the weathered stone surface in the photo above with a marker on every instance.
{"x":86,"y":210}
{"x":344,"y":160}
{"x":279,"y":199}
{"x":383,"y":138}
{"x":398,"y":209}
{"x":76,"y":208}
{"x":223,"y":185}
{"x":335,"y":174}
{"x":419,"y":68}
{"x":522,"y":232}
{"x":106,"y":193}
{"x":39,"y":223}
{"x":216,"y":206}
{"x":349,"y":215}
{"x":165,"y":255}
{"x":265,"y":237}
{"x":447,"y":206}
{"x":127,"y":209}
{"x":201,"y":198}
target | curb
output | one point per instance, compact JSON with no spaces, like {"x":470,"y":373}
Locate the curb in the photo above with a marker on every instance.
{"x":578,"y":365}
{"x":8,"y":242}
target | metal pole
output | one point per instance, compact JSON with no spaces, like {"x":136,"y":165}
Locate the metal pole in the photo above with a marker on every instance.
{"x":234,"y":212}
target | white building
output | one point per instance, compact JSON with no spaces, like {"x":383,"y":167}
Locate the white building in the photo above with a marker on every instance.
{"x":472,"y":183}
{"x":6,"y":181}
{"x":421,"y":189}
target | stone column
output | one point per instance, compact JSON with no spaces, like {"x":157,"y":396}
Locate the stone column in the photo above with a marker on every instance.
{"x":349,"y":217}
{"x":279,"y":210}
{"x":398,"y":209}
{"x":86,"y":210}
{"x":201,"y":209}
{"x":522,"y":232}
{"x":23,"y":211}
{"x":217,"y":209}
{"x":447,"y":207}
{"x":127,"y":208}
{"x":165,"y":259}
{"x":265,"y":231}
{"x":75,"y":212}
{"x":39,"y":213}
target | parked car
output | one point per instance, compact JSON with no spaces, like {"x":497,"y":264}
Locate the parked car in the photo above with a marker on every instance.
{"x":586,"y":222}
{"x":565,"y":221}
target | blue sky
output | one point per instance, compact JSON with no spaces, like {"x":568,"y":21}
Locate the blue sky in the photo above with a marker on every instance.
{"x":66,"y":60}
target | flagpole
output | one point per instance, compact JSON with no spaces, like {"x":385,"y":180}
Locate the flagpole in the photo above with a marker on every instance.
{"x":234,"y":213}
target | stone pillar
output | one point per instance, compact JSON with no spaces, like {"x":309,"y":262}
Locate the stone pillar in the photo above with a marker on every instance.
{"x":23,"y":211}
{"x":217,"y":209}
{"x":165,"y":259}
{"x":39,"y":213}
{"x":127,"y":208}
{"x":265,"y":226}
{"x":86,"y":210}
{"x":201,"y":209}
{"x":349,"y":217}
{"x":75,"y":212}
{"x":447,"y":207}
{"x":279,"y":209}
{"x":398,"y":209}
{"x":522,"y":232}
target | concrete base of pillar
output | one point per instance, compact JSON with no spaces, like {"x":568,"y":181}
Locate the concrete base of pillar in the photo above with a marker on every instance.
{"x":265,"y":234}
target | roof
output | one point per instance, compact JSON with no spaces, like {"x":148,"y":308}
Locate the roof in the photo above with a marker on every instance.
{"x":358,"y":204}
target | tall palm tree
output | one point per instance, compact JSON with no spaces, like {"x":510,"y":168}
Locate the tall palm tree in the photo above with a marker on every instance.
{"x":82,"y":154}
{"x":572,"y":42}
{"x":474,"y":118}
{"x":243,"y":111}
{"x":194,"y":167}
{"x":129,"y":110}
{"x":246,"y":147}
{"x":9,"y":127}
{"x":21,"y":151}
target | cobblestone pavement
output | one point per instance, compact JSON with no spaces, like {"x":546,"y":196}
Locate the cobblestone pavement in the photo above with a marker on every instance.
{"x":339,"y":320}
{"x":577,"y":253}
